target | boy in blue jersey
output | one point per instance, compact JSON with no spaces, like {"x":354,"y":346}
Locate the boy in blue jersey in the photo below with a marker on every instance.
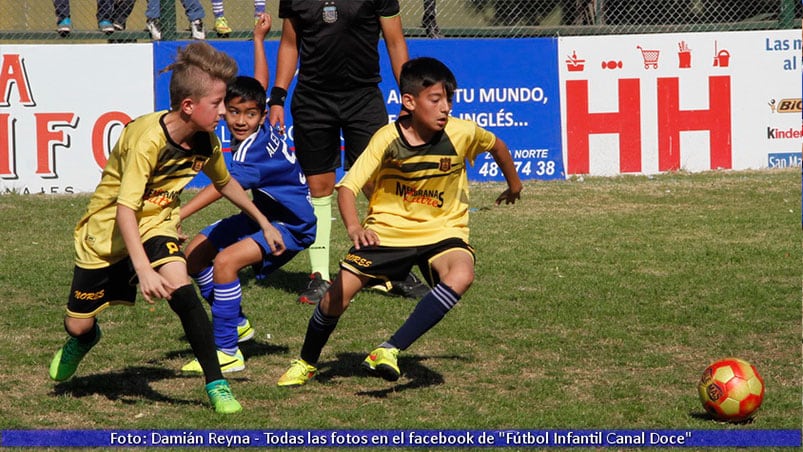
{"x":417,"y":215}
{"x":263,"y":163}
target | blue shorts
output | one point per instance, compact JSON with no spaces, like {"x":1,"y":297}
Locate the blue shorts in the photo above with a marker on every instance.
{"x":235,"y":228}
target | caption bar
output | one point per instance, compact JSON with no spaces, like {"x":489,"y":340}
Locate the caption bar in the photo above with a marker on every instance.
{"x":401,"y":438}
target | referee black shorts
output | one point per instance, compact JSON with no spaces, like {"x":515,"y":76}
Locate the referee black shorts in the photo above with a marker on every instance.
{"x":393,"y":263}
{"x":320,"y":116}
{"x":95,"y":289}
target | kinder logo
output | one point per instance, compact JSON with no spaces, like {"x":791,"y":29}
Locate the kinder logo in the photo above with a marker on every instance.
{"x":774,"y":133}
{"x":786,"y":106}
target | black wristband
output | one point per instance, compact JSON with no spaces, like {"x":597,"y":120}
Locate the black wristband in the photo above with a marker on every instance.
{"x":277,"y":96}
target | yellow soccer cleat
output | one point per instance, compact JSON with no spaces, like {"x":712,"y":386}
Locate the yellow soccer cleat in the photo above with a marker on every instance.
{"x":228,"y":363}
{"x":245,"y":332}
{"x":298,"y":373}
{"x":383,"y":361}
{"x":222,"y":27}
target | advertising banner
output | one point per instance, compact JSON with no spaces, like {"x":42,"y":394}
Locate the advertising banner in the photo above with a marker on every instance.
{"x":509,"y":87}
{"x":62,"y":108}
{"x":693,"y":102}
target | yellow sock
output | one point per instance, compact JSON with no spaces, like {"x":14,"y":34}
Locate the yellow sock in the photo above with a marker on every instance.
{"x":319,"y":250}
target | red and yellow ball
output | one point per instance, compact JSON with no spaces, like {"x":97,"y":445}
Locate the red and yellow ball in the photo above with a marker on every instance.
{"x":731,"y":390}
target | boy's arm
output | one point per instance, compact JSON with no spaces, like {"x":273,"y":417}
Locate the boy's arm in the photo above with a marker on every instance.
{"x":286,"y":62}
{"x":395,"y":43}
{"x":234,"y":192}
{"x":206,"y":196}
{"x":504,"y":160}
{"x":151,"y":283}
{"x":347,"y":203}
{"x":261,"y":29}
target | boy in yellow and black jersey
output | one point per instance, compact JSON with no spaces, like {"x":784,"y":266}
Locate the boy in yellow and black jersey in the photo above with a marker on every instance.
{"x":417,"y":215}
{"x":129,"y":232}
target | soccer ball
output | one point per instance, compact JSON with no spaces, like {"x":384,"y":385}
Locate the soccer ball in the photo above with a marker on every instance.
{"x":731,"y":390}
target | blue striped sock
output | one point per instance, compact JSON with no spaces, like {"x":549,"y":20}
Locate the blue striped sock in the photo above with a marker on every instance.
{"x":226,"y":314}
{"x":204,"y":281}
{"x":427,"y":313}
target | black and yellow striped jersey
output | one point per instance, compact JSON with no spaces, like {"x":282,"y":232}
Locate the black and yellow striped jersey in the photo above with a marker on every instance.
{"x":421,"y":192}
{"x":146,"y":171}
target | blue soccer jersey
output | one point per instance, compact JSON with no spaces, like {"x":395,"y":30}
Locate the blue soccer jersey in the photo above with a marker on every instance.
{"x":264,"y":164}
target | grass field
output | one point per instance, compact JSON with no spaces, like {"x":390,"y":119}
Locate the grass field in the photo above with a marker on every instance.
{"x":597,"y":304}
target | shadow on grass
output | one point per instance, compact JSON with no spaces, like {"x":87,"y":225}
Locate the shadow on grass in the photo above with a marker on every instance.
{"x":414,"y":374}
{"x":705,"y":416}
{"x":250,"y":349}
{"x":128,"y":386}
{"x":290,"y":282}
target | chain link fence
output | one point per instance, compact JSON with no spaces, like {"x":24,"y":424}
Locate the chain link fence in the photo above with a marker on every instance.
{"x":35,"y":20}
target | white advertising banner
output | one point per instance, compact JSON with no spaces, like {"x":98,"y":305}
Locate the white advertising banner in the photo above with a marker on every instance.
{"x":62,"y":108}
{"x":662,"y":102}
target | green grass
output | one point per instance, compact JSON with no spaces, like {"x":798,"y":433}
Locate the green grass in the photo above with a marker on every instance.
{"x":597,"y":304}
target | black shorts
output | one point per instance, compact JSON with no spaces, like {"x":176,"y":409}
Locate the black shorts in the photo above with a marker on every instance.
{"x":393,"y":263}
{"x":320,"y":116}
{"x":94,"y":290}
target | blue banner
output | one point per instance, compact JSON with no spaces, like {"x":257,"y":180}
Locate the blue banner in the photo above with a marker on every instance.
{"x":401,"y":438}
{"x":508,"y":86}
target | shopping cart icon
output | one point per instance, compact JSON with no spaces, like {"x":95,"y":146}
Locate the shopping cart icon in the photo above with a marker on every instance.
{"x":650,"y":57}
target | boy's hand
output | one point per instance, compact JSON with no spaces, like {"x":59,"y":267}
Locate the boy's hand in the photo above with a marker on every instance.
{"x":262,"y":26}
{"x":153,"y":285}
{"x":276,"y":118}
{"x":182,"y":237}
{"x":274,"y":239}
{"x":508,"y":196}
{"x":363,"y":237}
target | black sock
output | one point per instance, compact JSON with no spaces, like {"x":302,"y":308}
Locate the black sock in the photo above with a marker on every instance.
{"x":88,"y":337}
{"x":319,"y":329}
{"x":427,"y":313}
{"x":198,"y":330}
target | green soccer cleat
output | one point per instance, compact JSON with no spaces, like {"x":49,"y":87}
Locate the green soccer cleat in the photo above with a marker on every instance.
{"x":245,"y":332}
{"x":383,"y":361}
{"x":298,"y":373}
{"x":66,"y":360}
{"x":221,"y":397}
{"x":228,"y":363}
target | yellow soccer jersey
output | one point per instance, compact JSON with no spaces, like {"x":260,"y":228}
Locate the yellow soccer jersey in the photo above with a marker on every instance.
{"x":421,"y":192}
{"x":146,"y":171}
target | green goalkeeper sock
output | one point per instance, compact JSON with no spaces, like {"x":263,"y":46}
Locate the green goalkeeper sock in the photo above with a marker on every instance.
{"x":319,"y":251}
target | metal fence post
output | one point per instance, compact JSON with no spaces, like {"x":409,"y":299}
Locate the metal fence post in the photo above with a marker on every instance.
{"x":168,"y":19}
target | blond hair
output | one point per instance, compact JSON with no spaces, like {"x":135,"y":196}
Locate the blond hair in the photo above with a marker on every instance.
{"x":195,"y":67}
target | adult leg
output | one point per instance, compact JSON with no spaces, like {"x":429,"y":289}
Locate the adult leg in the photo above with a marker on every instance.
{"x":259,"y":7}
{"x":217,"y":8}
{"x":193,"y":9}
{"x":153,"y":9}
{"x":322,"y":187}
{"x":317,"y":139}
{"x":429,"y":20}
{"x":62,"y":8}
{"x":122,"y":9}
{"x":105,"y":10}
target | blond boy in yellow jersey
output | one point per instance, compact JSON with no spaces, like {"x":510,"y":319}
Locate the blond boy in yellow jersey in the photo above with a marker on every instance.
{"x":129,"y":233}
